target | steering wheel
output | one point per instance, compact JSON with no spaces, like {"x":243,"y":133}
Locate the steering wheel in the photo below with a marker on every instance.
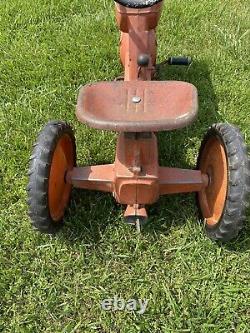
{"x":138,"y":3}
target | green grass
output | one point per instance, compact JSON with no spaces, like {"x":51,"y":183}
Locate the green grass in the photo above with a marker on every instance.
{"x":48,"y":49}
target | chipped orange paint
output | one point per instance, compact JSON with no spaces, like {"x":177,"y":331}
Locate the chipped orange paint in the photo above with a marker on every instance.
{"x":136,"y":109}
{"x":137,"y":28}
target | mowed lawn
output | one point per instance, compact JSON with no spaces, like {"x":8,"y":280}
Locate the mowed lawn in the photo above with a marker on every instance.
{"x":48,"y":49}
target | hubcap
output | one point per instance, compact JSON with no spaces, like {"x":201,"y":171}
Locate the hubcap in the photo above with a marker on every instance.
{"x":59,"y":190}
{"x":213,"y":162}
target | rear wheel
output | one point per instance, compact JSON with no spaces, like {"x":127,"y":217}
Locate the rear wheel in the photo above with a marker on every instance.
{"x":53,"y":155}
{"x":223,"y":157}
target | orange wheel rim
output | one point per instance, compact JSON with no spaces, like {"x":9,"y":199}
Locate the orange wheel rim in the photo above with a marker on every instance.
{"x":214,"y":163}
{"x":59,"y":191}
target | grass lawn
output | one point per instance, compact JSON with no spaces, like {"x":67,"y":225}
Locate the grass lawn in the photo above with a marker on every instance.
{"x":48,"y":49}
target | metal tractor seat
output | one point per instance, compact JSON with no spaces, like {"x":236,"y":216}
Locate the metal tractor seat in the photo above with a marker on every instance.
{"x":138,"y":106}
{"x":138,"y":3}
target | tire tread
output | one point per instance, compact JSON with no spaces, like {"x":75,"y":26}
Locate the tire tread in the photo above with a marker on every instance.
{"x":38,"y":172}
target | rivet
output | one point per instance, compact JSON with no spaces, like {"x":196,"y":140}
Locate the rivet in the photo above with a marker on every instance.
{"x":136,"y":99}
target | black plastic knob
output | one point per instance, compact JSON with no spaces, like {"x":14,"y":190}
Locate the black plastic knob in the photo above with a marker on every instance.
{"x":143,"y":60}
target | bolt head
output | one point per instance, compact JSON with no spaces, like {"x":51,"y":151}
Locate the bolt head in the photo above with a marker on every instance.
{"x":136,"y":99}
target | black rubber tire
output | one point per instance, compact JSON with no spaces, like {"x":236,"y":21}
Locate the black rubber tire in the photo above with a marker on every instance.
{"x":237,"y":200}
{"x":39,"y":172}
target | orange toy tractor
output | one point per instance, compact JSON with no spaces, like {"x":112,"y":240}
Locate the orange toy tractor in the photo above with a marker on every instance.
{"x":137,"y":108}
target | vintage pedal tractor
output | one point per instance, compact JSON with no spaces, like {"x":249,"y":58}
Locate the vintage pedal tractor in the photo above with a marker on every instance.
{"x":137,"y":108}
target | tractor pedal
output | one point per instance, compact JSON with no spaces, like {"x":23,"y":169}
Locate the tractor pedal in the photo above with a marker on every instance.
{"x":179,"y":61}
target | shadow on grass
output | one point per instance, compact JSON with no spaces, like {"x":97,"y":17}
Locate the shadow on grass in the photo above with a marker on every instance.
{"x":176,"y":148}
{"x":173,"y":145}
{"x":88,"y":217}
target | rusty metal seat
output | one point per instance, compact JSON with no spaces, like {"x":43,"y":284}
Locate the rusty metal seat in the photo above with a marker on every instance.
{"x":137,"y":106}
